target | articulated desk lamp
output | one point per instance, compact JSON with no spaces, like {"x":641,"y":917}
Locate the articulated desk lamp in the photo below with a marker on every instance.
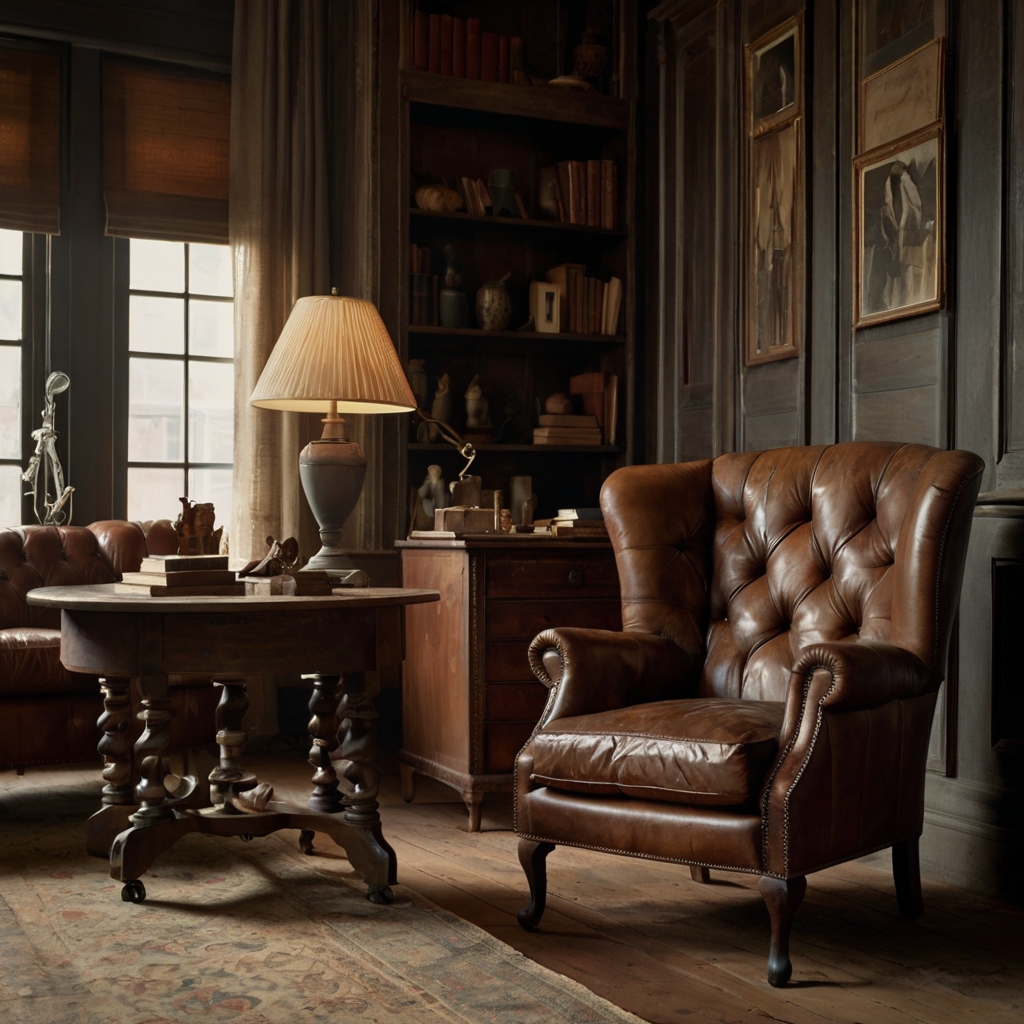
{"x":335,"y":356}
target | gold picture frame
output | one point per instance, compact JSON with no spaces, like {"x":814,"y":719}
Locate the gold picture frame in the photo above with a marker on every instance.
{"x":899,"y":228}
{"x":903,"y":98}
{"x":775,"y":239}
{"x":775,"y":77}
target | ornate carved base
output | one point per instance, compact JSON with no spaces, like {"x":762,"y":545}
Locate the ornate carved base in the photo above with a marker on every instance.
{"x":115,"y":745}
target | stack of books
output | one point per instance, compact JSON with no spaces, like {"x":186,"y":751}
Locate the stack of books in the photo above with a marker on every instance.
{"x":587,"y":305}
{"x":567,"y":429}
{"x":587,"y":192}
{"x":181,"y":576}
{"x":579,"y":523}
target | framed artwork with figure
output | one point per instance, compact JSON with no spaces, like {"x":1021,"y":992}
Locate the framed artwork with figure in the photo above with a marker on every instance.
{"x":775,"y":267}
{"x":775,"y":77}
{"x":899,"y":229}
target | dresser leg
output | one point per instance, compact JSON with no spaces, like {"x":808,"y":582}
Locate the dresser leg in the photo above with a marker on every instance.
{"x":474,"y":805}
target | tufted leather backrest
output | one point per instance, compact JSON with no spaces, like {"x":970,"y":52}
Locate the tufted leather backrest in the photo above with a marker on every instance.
{"x":772,"y":551}
{"x":60,"y":556}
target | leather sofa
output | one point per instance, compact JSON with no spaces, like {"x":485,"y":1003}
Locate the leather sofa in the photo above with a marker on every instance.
{"x":767,"y":706}
{"x":47,"y":714}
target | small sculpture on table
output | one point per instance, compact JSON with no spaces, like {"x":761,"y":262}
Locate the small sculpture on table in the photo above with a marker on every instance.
{"x":194,"y":527}
{"x":282,"y":557}
{"x":432,"y":495}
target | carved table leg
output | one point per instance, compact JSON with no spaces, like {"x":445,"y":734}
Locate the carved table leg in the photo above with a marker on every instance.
{"x":157,"y":713}
{"x":323,"y":732}
{"x":408,"y":782}
{"x":357,"y":759}
{"x":783,"y":897}
{"x":115,"y":748}
{"x":906,"y":873}
{"x":699,"y":874}
{"x":229,"y":777}
{"x":474,"y":805}
{"x":532,"y":856}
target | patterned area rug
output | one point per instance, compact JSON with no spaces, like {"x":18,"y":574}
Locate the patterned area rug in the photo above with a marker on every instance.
{"x":242,"y":933}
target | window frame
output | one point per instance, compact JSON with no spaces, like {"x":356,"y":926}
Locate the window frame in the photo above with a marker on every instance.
{"x":122,"y":362}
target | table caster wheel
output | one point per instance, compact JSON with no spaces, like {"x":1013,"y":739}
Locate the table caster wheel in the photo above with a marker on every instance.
{"x":133,"y":891}
{"x":306,"y":841}
{"x":380,"y":894}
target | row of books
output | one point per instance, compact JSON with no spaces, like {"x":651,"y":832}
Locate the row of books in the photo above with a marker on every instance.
{"x":587,"y":305}
{"x":568,"y":429}
{"x":587,"y":192}
{"x":458,"y":48}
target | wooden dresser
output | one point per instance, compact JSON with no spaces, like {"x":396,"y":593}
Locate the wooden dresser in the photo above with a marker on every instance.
{"x":469,"y":699}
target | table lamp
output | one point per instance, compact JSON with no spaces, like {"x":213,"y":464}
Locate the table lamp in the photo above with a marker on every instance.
{"x":335,"y":356}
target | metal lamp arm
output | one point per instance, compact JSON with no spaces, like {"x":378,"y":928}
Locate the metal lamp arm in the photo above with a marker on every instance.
{"x":465,"y":449}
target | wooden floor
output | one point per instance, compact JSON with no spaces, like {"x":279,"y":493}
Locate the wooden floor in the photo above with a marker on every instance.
{"x":646,"y":937}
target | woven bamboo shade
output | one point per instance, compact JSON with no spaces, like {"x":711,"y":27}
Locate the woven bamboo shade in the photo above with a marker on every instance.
{"x":166,"y":140}
{"x":334,"y":349}
{"x":29,"y":141}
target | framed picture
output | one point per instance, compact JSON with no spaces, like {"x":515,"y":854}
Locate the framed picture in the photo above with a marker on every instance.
{"x":775,"y":77}
{"x":775,"y":267}
{"x":892,"y":29}
{"x":899,"y":229}
{"x":902,"y":99}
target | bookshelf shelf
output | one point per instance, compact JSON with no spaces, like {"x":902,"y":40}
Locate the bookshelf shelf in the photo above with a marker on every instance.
{"x":476,"y":332}
{"x":466,"y":219}
{"x":546,"y":103}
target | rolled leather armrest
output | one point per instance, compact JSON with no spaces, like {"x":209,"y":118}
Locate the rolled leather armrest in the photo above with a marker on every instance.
{"x":592,"y":670}
{"x":852,"y":675}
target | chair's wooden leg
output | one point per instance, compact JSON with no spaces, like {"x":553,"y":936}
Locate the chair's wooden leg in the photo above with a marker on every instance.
{"x":699,"y":874}
{"x":783,"y":897}
{"x":532,"y":856}
{"x":906,"y":873}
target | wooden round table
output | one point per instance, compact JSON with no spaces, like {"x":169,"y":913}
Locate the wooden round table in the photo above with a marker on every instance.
{"x":333,"y":640}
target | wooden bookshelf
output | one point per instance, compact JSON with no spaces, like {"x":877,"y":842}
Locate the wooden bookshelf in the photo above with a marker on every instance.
{"x":437,"y":129}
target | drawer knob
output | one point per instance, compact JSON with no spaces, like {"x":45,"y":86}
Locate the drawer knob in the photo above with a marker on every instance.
{"x":576,"y":578}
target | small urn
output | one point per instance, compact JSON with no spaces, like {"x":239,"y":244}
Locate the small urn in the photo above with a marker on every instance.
{"x":494,"y":305}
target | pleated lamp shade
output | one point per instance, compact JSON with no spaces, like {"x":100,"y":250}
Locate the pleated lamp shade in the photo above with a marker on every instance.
{"x":334,"y":349}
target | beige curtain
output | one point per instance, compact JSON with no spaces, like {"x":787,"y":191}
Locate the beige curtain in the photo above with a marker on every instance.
{"x":279,"y":234}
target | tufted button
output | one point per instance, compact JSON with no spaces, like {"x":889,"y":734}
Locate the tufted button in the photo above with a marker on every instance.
{"x":63,"y":555}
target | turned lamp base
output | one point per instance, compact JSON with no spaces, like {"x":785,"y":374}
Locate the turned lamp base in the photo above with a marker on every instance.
{"x":332,"y":471}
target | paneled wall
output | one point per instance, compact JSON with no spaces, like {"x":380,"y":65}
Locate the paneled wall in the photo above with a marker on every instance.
{"x":950,"y":378}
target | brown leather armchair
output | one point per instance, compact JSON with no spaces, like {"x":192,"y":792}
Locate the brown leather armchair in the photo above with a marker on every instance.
{"x":47,"y":714}
{"x":767,"y":707}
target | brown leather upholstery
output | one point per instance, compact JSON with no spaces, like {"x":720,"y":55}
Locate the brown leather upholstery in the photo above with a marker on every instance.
{"x":786,"y":618}
{"x":47,"y":714}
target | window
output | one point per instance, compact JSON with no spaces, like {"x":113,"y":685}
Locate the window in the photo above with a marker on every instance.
{"x":11,"y":247}
{"x":180,"y":377}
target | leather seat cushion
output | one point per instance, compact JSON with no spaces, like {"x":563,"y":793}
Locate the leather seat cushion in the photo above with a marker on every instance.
{"x":30,"y":662}
{"x":713,"y":751}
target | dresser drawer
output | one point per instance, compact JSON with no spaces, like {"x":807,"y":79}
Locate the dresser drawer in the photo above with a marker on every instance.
{"x":515,"y":702}
{"x":502,"y":741}
{"x":523,"y":620}
{"x":507,"y":661}
{"x":586,"y":574}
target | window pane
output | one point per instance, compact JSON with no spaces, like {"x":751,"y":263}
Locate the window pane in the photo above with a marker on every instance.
{"x":156,"y":410}
{"x":154,"y":493}
{"x":10,"y":310}
{"x":156,"y":325}
{"x":212,"y":485}
{"x":10,"y":405}
{"x":10,"y":251}
{"x":157,"y":266}
{"x":211,"y":404}
{"x":10,"y":496}
{"x":209,"y":270}
{"x":211,"y":328}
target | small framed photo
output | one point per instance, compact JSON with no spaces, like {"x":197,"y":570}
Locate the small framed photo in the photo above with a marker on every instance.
{"x":892,"y":29}
{"x":775,"y":77}
{"x":774,"y":260}
{"x":899,"y":229}
{"x":902,"y":99}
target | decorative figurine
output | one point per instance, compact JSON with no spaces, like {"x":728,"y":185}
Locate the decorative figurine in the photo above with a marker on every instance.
{"x":46,"y":448}
{"x":441,"y":408}
{"x":476,"y":405}
{"x":501,"y":183}
{"x":194,"y":526}
{"x":452,"y":299}
{"x":432,"y":494}
{"x":493,"y":305}
{"x":282,"y":556}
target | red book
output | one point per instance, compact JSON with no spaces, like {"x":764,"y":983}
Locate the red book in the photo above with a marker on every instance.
{"x":502,"y":58}
{"x":578,"y":171}
{"x":446,"y":44}
{"x":489,"y":56}
{"x":594,"y":193}
{"x":434,"y":55}
{"x":421,"y":41}
{"x":608,"y":174}
{"x":459,"y":47}
{"x":473,"y":48}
